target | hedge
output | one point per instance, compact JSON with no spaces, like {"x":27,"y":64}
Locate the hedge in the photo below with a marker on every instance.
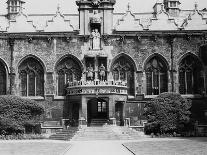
{"x":167,"y":113}
{"x":17,"y":112}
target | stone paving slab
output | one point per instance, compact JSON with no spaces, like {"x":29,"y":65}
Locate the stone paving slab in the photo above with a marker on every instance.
{"x":98,"y":148}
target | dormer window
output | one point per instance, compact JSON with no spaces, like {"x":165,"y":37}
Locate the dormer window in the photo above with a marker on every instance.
{"x":173,"y":4}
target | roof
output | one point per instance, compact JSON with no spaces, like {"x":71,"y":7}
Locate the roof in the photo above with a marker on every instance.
{"x":150,"y":21}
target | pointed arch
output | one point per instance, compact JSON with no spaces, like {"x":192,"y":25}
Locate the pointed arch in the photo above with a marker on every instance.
{"x":191,"y":75}
{"x":3,"y":77}
{"x":126,"y":56}
{"x":68,"y":68}
{"x":31,"y":73}
{"x":123,"y":68}
{"x":156,"y":71}
{"x":156,"y":55}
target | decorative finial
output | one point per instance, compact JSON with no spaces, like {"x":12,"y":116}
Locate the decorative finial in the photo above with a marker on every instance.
{"x":128,"y":6}
{"x":196,"y":5}
{"x":162,"y":7}
{"x":58,"y":7}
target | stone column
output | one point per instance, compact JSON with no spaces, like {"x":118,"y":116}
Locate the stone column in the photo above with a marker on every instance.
{"x":144,"y":84}
{"x":96,"y":68}
{"x":12,"y":70}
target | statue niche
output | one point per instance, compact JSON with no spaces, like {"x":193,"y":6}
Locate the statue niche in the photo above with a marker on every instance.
{"x":95,"y":39}
{"x":95,"y":24}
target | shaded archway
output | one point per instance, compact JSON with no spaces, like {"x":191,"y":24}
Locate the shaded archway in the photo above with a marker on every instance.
{"x":156,"y":71}
{"x":3,"y":79}
{"x":123,"y":69}
{"x":191,"y":79}
{"x":31,"y":73}
{"x":68,"y":69}
{"x":97,"y":108}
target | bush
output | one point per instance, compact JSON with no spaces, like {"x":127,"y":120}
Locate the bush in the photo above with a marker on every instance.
{"x":16,"y":113}
{"x":167,"y":113}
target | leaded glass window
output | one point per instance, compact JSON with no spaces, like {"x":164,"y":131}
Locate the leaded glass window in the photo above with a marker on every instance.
{"x":156,"y":76}
{"x":190,"y":76}
{"x":31,"y":78}
{"x":123,"y":70}
{"x":68,"y":70}
{"x":2,"y":80}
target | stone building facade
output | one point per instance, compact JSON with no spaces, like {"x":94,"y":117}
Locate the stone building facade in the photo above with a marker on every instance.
{"x":99,"y":64}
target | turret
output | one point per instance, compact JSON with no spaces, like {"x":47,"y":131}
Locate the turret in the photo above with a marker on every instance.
{"x":14,"y":7}
{"x":158,"y":6}
{"x":172,"y":7}
{"x":95,"y":14}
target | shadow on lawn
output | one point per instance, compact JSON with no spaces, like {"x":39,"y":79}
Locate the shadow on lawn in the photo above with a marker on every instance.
{"x":198,"y":139}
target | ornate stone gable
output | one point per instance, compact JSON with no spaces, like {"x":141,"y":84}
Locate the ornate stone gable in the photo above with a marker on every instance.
{"x":21,"y":24}
{"x":195,"y":21}
{"x":58,"y":23}
{"x":128,"y":23}
{"x":162,"y":21}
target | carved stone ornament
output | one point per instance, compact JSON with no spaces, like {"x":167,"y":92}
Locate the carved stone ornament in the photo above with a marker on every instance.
{"x":95,"y":3}
{"x":30,"y":40}
{"x":105,"y":39}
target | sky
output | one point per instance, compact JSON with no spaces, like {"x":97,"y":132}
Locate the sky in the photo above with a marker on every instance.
{"x":69,"y":6}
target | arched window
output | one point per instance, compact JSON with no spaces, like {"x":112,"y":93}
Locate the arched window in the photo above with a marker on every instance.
{"x":156,"y":76}
{"x":123,"y":70}
{"x":2,"y":79}
{"x":190,"y":76}
{"x":31,"y":78}
{"x":67,"y":70}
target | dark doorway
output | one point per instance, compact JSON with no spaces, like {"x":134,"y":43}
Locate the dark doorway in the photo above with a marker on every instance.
{"x":97,"y":109}
{"x":119,"y":106}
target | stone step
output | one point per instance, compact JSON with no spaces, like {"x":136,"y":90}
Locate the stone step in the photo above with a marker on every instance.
{"x":64,"y":134}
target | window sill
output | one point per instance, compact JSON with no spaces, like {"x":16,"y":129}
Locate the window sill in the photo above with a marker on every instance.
{"x":150,"y":96}
{"x":59,"y":97}
{"x":192,"y":96}
{"x":34,"y":97}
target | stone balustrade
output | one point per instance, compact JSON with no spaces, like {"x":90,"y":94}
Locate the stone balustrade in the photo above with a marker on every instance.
{"x":97,"y":87}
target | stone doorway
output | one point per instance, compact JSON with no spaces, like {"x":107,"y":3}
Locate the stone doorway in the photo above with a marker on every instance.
{"x":97,"y":109}
{"x":119,"y":106}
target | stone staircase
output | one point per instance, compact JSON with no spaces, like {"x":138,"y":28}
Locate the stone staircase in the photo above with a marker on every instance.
{"x":106,"y":133}
{"x":64,"y":134}
{"x":98,"y":122}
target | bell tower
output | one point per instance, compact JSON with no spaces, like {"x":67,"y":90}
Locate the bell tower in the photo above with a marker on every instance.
{"x":14,"y":7}
{"x":172,"y":7}
{"x":95,"y":14}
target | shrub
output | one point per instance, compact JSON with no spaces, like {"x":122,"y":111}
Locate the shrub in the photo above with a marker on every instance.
{"x":167,"y":113}
{"x":17,"y":112}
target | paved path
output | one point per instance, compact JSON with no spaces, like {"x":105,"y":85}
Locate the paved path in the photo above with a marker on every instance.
{"x":98,"y":148}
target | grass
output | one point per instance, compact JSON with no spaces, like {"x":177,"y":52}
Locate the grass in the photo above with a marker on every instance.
{"x":33,"y":148}
{"x":188,"y":146}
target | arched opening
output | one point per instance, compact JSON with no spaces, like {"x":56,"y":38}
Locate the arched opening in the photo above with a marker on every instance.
{"x":191,"y":79}
{"x":123,"y":70}
{"x":31,"y":77}
{"x":203,"y":54}
{"x":97,"y":108}
{"x":156,"y":76}
{"x":68,"y":70}
{"x":3,"y":80}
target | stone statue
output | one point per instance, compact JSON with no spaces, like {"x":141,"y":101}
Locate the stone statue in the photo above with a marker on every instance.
{"x":95,"y":35}
{"x":102,"y":72}
{"x":89,"y":72}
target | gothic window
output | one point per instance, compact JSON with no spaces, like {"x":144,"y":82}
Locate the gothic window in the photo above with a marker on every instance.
{"x":2,"y":79}
{"x":156,"y":76}
{"x":190,"y":76}
{"x":68,"y":70}
{"x":31,"y":78}
{"x":123,"y":70}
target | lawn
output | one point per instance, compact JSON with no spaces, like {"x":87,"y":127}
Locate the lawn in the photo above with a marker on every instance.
{"x":188,"y":146}
{"x":33,"y":147}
